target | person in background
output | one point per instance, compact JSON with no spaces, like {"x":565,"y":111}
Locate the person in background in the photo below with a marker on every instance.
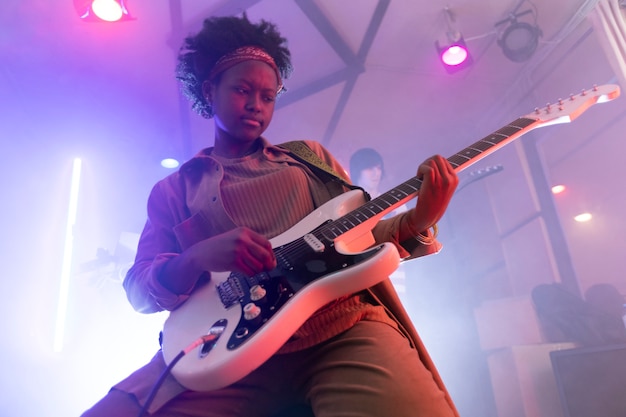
{"x":367,"y":170}
{"x":595,"y":320}
{"x":610,"y":307}
{"x":358,"y":355}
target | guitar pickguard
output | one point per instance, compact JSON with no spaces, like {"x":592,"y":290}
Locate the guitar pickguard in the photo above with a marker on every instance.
{"x":260,"y":297}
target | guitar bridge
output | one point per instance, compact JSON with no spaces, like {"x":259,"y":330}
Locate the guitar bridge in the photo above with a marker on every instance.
{"x":237,"y":287}
{"x":230,"y":291}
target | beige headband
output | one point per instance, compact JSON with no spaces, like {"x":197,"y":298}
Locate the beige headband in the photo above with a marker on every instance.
{"x":245,"y":53}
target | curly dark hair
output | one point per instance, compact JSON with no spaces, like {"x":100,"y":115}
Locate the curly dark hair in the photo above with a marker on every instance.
{"x":219,"y":36}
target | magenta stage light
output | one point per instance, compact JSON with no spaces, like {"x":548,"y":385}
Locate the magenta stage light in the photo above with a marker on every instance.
{"x":102,"y":10}
{"x":454,"y":56}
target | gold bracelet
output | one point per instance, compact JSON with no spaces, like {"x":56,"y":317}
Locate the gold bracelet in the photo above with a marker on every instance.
{"x":428,"y":240}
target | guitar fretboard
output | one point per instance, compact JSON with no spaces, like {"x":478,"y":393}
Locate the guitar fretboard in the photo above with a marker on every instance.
{"x":408,"y":189}
{"x":488,"y":144}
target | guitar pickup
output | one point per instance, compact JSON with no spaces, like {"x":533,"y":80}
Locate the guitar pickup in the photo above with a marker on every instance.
{"x":314,"y":242}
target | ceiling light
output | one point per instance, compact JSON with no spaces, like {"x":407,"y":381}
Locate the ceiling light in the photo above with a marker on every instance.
{"x":453,"y":54}
{"x":558,"y":189}
{"x":519,"y":40}
{"x":102,"y":10}
{"x":170,"y":163}
{"x":583,"y":217}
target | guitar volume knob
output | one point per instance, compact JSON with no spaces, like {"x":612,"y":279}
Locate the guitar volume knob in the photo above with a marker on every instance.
{"x":257,"y":293}
{"x":251,"y":311}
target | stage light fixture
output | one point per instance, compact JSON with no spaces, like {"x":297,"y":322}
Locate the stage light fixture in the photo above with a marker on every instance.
{"x":519,"y":40}
{"x":454,"y":54}
{"x":102,"y":10}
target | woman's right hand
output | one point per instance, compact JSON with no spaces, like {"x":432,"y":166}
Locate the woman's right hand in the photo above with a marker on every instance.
{"x":241,"y":249}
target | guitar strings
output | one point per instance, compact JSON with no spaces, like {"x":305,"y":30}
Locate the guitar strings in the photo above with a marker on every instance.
{"x":328,"y":232}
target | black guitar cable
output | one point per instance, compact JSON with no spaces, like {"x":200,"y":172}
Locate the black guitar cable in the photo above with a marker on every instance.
{"x":209,"y":338}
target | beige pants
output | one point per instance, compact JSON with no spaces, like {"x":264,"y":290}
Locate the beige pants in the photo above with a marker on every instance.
{"x":367,"y":371}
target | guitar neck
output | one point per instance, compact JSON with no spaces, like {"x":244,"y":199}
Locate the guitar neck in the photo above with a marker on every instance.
{"x":491,"y":143}
{"x":408,"y":190}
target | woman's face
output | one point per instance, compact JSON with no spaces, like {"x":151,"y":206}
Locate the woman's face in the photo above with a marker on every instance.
{"x":243,"y":101}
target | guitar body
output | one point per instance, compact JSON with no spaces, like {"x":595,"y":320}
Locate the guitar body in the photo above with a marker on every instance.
{"x":293,"y":292}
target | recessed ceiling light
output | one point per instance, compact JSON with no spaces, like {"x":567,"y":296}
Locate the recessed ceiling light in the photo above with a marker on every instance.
{"x":170,"y":163}
{"x":583,"y":217}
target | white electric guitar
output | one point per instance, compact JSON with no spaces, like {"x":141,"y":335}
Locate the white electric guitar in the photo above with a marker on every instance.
{"x":323,"y":257}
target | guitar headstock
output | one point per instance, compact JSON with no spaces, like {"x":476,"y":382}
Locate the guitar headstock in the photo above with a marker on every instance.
{"x":568,"y":109}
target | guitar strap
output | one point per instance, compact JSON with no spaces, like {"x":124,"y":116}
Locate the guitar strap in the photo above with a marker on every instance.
{"x":300,"y":151}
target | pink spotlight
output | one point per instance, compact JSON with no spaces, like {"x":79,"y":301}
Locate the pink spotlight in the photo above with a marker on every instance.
{"x":108,"y":10}
{"x":102,"y":10}
{"x":454,"y":56}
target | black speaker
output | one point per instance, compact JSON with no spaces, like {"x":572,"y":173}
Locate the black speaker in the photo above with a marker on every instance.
{"x":591,"y":381}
